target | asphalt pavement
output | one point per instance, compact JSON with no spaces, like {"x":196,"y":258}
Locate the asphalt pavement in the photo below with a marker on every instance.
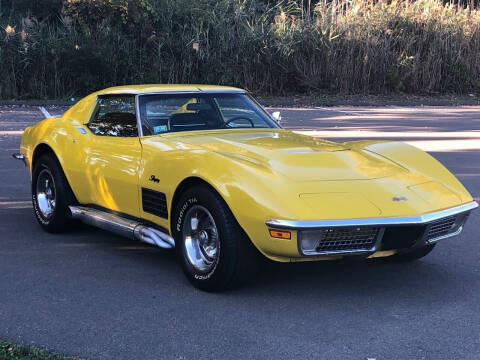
{"x":94,"y":295}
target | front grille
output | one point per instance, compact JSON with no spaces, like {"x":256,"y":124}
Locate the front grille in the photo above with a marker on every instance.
{"x":441,"y":227}
{"x":348,"y":239}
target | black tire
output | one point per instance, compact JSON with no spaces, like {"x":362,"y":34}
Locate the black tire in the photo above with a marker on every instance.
{"x":60,"y":219}
{"x":411,"y":255}
{"x":238,"y":259}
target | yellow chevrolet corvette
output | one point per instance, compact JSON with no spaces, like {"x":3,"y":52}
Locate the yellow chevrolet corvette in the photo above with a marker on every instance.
{"x":207,"y":171}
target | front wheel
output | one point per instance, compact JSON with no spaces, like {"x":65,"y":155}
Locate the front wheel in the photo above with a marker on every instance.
{"x":214,"y":250}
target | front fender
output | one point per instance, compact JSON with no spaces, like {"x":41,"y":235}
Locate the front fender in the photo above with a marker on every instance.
{"x":250,"y":189}
{"x":255,"y":194}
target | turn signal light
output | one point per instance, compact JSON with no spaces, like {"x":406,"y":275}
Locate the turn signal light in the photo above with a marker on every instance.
{"x":280,"y":234}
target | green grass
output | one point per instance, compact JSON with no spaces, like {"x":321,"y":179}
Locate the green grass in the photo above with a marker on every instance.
{"x":11,"y":351}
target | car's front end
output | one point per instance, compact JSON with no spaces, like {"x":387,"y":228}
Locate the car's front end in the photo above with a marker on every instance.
{"x":367,"y":236}
{"x":303,"y":199}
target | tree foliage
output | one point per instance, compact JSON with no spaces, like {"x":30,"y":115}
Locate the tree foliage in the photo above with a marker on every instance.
{"x":40,"y":9}
{"x":130,"y":15}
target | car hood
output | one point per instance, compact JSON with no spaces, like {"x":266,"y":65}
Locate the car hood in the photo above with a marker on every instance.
{"x":298,"y":157}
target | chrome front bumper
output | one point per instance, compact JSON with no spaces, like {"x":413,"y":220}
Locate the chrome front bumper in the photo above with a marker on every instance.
{"x":368,"y":235}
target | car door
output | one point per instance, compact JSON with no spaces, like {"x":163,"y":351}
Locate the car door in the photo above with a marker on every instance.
{"x":113,"y":154}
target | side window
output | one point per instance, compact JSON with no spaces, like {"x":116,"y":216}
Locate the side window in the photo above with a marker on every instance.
{"x":115,"y":116}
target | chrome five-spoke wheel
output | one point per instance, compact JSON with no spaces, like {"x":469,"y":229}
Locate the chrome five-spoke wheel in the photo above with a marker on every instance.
{"x":215,"y":252}
{"x":200,"y":237}
{"x":46,"y":193}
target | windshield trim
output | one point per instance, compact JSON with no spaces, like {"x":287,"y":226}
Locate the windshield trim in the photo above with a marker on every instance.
{"x":199,"y":91}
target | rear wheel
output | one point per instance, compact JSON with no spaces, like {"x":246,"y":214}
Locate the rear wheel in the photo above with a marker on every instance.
{"x":51,"y":195}
{"x":411,"y":255}
{"x":215,"y":252}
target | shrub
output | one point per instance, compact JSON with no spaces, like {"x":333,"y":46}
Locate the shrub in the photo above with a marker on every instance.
{"x":339,"y":46}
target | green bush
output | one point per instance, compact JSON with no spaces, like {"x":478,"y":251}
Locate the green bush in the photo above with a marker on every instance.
{"x":129,"y":15}
{"x":340,"y":46}
{"x":40,"y":9}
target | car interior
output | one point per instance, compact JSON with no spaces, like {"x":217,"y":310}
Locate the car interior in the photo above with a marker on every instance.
{"x":121,"y":124}
{"x":116,"y":115}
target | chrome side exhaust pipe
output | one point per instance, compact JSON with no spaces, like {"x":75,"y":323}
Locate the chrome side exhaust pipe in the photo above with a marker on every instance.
{"x":121,"y":226}
{"x":153,"y":236}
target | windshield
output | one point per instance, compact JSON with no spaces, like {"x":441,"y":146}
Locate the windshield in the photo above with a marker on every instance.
{"x":162,"y":113}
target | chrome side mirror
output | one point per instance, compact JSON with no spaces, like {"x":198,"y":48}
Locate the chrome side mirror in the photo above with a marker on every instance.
{"x":276,"y":115}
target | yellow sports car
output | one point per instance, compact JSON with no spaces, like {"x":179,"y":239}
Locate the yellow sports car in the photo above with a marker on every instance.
{"x":208,"y":171}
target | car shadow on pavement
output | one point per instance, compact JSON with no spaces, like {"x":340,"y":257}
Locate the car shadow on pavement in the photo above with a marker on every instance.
{"x":345,"y":278}
{"x":337,"y":278}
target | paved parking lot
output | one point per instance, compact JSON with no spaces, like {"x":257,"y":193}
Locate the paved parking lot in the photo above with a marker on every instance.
{"x":92,"y":294}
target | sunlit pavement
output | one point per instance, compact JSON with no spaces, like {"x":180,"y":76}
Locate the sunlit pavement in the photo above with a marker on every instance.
{"x":428,"y":128}
{"x":91,"y":294}
{"x":438,"y":141}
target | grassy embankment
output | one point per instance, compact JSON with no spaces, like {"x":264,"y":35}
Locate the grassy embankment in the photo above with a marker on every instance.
{"x":11,"y":351}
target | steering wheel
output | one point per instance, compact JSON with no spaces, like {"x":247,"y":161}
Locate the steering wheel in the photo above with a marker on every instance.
{"x":238,"y":118}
